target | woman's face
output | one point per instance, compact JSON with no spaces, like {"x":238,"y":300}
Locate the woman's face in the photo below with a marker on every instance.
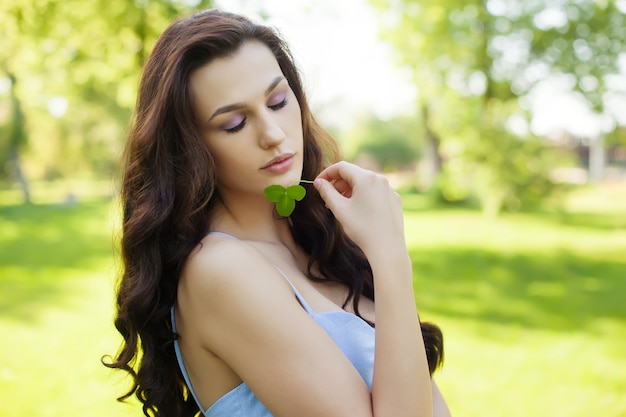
{"x":250,"y":120}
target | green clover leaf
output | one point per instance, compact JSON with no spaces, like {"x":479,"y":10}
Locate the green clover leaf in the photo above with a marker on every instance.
{"x":275,"y":192}
{"x":285,"y":198}
{"x":297,"y":192}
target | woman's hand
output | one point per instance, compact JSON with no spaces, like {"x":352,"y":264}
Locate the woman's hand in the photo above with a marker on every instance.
{"x":369,"y":210}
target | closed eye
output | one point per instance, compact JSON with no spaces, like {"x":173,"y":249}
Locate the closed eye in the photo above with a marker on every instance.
{"x":237,"y":122}
{"x":236,"y":128}
{"x":280,"y":105}
{"x":278,"y":100}
{"x":234,"y":123}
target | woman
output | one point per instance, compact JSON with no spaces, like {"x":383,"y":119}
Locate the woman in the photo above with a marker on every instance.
{"x":228,"y":308}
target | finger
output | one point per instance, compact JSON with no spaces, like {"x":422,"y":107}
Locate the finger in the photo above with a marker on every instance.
{"x":341,"y":170}
{"x":331,"y":196}
{"x":342,"y":187}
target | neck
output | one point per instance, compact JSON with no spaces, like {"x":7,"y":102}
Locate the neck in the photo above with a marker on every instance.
{"x":251,"y":218}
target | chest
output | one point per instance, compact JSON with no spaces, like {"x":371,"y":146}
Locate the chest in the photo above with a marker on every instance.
{"x":322,"y":296}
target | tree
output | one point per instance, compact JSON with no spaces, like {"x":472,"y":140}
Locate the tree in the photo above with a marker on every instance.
{"x":392,"y":144}
{"x":16,"y":138}
{"x":472,"y":61}
{"x":75,"y":68}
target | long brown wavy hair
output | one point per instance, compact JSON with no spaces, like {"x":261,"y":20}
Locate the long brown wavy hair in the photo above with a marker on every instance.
{"x":168,"y":193}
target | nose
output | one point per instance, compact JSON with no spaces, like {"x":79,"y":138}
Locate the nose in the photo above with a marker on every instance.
{"x":270,"y":131}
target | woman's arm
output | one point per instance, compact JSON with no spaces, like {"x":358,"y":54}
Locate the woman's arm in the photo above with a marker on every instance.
{"x":440,"y":407}
{"x":237,"y":306}
{"x":259,"y":330}
{"x":371,"y":214}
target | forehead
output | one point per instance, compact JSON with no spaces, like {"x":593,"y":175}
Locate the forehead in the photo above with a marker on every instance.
{"x":236,"y":78}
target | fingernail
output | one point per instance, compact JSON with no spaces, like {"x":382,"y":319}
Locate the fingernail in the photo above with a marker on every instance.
{"x":317,"y":183}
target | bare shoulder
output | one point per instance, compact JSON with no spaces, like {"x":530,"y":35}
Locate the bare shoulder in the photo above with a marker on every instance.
{"x":440,"y":406}
{"x":215,"y":250}
{"x":234,"y":303}
{"x":216,"y":254}
{"x":223,"y":285}
{"x":222,"y":264}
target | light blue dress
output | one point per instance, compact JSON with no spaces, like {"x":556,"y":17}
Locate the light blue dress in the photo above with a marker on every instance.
{"x":352,"y":335}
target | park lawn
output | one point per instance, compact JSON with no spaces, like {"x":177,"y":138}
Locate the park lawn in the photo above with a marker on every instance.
{"x":532,"y":309}
{"x":533,"y":312}
{"x":56,"y":308}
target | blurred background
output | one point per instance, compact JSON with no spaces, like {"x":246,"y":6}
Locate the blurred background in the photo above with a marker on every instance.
{"x":502,"y":123}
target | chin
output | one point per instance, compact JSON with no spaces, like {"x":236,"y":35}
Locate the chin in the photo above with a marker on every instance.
{"x":292,"y":177}
{"x":290,"y":180}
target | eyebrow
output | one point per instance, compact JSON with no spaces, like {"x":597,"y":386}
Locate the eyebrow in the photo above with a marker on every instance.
{"x":238,"y":106}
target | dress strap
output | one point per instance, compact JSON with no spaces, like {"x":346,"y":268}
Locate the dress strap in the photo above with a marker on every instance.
{"x":222,"y":233}
{"x":301,"y":299}
{"x":179,"y":355}
{"x":181,"y":362}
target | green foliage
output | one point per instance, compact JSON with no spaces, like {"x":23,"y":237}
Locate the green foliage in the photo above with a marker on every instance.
{"x":77,"y":66}
{"x":4,"y":151}
{"x":503,"y":171}
{"x":473,"y":60}
{"x":391,"y":155}
{"x":584,"y":40}
{"x":519,"y":174}
{"x":617,"y":137}
{"x":394,"y":144}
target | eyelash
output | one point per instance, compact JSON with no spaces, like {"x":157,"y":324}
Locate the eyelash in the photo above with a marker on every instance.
{"x":241,"y":125}
{"x":280,"y":105}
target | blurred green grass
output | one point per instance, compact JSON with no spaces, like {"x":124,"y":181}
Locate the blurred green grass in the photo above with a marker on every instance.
{"x":533,"y":311}
{"x":57,"y":273}
{"x":531,"y":305}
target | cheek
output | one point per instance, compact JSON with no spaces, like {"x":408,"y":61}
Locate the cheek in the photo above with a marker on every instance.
{"x":222,"y":160}
{"x":295,"y":120}
{"x":228,"y":171}
{"x":227,"y":161}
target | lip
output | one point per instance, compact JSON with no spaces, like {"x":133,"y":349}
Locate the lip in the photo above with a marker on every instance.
{"x":279,"y":164}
